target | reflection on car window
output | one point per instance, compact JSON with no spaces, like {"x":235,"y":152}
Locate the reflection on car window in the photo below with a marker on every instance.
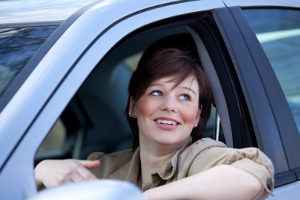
{"x":18,"y":45}
{"x":278,"y":31}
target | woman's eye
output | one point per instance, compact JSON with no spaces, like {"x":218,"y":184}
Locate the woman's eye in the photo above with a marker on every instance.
{"x":156,"y":93}
{"x":185,"y":97}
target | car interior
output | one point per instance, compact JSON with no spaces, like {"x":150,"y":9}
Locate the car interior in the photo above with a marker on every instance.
{"x":94,"y":119}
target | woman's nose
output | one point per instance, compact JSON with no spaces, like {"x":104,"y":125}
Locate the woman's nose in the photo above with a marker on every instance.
{"x":169,"y":104}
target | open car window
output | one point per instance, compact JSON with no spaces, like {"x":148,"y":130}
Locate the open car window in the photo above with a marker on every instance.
{"x":94,"y":119}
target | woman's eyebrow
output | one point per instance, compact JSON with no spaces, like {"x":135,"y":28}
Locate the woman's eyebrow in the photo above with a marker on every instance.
{"x":155,"y":84}
{"x":190,"y":89}
{"x":183,"y":87}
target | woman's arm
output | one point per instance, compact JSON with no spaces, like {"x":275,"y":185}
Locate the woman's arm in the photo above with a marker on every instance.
{"x":220,"y":182}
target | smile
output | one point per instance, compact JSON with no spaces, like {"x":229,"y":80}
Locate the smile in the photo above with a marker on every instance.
{"x":168,"y":122}
{"x":165,"y":123}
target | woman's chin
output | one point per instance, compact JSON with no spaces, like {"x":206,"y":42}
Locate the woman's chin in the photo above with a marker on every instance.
{"x":170,"y":140}
{"x":166,"y":127}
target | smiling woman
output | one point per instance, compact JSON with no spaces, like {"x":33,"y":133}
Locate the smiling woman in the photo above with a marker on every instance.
{"x":178,"y":61}
{"x":168,"y":106}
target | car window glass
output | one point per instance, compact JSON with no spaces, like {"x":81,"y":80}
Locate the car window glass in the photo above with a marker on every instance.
{"x":18,"y":45}
{"x":278,"y":31}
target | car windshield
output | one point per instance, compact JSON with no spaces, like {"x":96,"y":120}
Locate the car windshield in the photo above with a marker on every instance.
{"x":15,"y":11}
{"x":18,"y":45}
{"x":23,"y":30}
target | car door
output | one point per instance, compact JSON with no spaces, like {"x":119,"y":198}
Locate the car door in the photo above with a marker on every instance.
{"x":239,"y":95}
{"x":76,"y":50}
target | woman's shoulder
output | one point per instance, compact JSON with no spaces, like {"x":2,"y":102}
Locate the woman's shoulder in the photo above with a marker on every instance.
{"x":206,"y":143}
{"x":232,"y":154}
{"x":192,"y":150}
{"x":212,"y":149}
{"x":206,"y":153}
{"x":217,"y":154}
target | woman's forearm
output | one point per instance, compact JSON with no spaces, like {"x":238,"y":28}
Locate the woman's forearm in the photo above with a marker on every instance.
{"x":220,"y":182}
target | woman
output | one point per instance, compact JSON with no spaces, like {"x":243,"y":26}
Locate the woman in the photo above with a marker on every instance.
{"x":168,"y":107}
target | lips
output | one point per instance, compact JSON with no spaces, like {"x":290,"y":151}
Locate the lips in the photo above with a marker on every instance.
{"x":166,"y":123}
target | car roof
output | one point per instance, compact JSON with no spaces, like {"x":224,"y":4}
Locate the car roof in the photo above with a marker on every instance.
{"x":35,"y":11}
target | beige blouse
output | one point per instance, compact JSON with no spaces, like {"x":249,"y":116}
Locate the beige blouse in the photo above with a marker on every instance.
{"x":187,"y":161}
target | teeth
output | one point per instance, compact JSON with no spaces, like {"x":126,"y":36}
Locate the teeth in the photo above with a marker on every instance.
{"x":166,"y":122}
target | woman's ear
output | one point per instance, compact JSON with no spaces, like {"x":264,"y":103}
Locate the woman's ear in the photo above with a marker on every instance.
{"x":132,"y":110}
{"x":197,"y":120}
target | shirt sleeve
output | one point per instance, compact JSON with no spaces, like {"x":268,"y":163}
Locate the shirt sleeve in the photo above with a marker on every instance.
{"x":251,"y":160}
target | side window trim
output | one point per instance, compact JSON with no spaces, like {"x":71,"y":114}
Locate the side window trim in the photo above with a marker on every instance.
{"x":242,"y":136}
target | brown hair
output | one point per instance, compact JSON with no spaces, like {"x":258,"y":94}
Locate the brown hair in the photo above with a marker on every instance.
{"x":170,"y":56}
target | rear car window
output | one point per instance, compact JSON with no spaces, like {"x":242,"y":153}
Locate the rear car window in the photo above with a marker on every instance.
{"x":278,"y":31}
{"x":18,"y":45}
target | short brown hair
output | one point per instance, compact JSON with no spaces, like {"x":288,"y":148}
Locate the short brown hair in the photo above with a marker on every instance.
{"x":170,"y":56}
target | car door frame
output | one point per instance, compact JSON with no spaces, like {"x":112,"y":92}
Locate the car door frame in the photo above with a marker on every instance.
{"x":58,"y":62}
{"x":81,"y":64}
{"x":69,"y":75}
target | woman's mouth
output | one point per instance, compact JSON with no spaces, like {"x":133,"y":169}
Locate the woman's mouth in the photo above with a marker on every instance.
{"x":166,"y":123}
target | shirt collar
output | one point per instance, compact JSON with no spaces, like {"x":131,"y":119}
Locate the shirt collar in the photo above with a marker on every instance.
{"x":134,"y":167}
{"x":162,"y":174}
{"x":169,"y":169}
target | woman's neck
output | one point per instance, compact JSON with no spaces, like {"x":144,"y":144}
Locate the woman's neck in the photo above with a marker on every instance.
{"x":150,"y":162}
{"x":153,"y":157}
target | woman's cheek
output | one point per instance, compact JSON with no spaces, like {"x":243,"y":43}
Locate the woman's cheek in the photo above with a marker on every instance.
{"x":145,"y":106}
{"x":189,"y":113}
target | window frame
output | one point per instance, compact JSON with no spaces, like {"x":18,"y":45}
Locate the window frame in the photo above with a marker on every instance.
{"x":85,"y":63}
{"x":55,"y":103}
{"x":241,"y":129}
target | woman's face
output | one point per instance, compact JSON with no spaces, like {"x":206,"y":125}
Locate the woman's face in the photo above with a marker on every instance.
{"x":167,"y":115}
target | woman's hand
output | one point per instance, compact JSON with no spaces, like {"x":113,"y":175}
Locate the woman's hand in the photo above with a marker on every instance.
{"x":50,"y":173}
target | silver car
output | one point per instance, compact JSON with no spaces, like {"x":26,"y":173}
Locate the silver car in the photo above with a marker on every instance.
{"x":65,"y":67}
